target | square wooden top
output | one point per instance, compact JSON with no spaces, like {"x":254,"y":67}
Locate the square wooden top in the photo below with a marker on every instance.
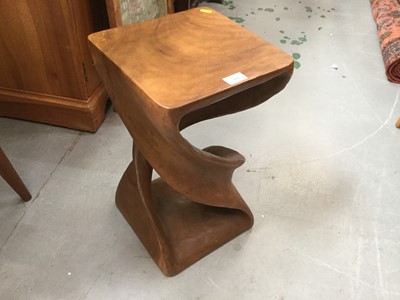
{"x":180,"y":59}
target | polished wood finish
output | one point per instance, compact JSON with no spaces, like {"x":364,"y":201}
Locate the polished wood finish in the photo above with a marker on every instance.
{"x":9,"y":174}
{"x":398,"y":123}
{"x":51,"y":109}
{"x":46,"y":68}
{"x":164,"y":75}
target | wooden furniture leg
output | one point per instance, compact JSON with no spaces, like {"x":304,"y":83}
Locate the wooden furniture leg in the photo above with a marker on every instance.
{"x":11,"y":176}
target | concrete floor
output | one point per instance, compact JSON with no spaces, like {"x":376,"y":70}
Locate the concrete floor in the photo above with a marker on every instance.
{"x":322,"y":178}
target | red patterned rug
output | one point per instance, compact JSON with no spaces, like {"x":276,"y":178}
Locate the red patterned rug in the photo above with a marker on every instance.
{"x":387,"y":16}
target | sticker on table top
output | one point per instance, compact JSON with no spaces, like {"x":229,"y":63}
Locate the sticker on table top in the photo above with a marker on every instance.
{"x":207,"y":11}
{"x":235,"y":78}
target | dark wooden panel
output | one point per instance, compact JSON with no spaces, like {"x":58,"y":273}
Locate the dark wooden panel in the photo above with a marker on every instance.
{"x":39,"y":48}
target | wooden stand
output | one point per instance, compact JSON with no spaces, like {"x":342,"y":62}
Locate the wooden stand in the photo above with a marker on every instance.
{"x":162,"y":78}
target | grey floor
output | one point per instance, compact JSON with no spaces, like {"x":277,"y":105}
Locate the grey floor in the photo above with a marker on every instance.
{"x":322,"y":178}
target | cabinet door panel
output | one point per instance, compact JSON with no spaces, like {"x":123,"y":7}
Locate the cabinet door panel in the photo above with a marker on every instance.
{"x":39,"y":48}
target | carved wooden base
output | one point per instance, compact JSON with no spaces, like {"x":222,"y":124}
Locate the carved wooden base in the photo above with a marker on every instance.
{"x":176,"y":231}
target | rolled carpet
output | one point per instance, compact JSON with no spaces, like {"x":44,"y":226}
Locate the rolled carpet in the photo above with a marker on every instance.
{"x":387,"y":17}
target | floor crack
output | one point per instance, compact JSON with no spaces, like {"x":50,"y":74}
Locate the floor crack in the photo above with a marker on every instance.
{"x":28,"y":205}
{"x":69,"y":150}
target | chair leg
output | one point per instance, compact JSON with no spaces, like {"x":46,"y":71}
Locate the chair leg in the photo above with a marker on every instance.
{"x":9,"y":174}
{"x":398,"y":123}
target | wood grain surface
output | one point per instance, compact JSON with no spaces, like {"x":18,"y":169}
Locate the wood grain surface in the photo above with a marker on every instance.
{"x":44,"y":55}
{"x":162,"y":76}
{"x":186,"y":61}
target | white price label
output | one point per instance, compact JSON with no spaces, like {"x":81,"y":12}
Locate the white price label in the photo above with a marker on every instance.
{"x":235,"y":78}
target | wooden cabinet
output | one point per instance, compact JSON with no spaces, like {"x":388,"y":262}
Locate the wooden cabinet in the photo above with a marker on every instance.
{"x":46,"y":71}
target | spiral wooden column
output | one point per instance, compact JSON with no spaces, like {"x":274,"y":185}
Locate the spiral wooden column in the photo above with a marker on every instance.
{"x":162,"y":76}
